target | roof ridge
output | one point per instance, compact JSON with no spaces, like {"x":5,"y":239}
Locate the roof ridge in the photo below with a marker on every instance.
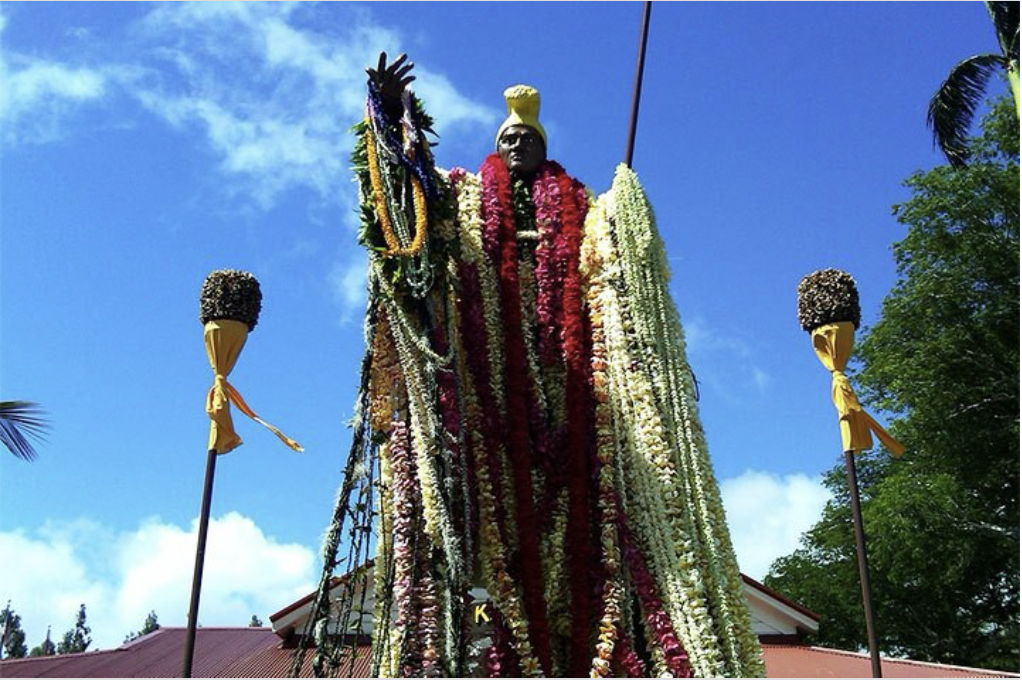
{"x":252,"y":628}
{"x":767,"y":590}
{"x":65,"y":655}
{"x":910,"y":662}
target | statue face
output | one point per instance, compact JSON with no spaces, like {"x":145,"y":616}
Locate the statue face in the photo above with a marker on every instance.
{"x":522,"y":150}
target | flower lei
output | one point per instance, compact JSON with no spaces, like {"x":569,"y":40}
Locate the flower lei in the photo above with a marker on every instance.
{"x":561,"y":205}
{"x":498,"y":219}
{"x":669,"y":500}
{"x":482,"y":382}
{"x":610,"y":621}
{"x":380,"y":195}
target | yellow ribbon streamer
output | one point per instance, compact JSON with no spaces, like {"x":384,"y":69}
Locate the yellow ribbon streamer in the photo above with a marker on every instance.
{"x":833,"y":345}
{"x":224,"y":340}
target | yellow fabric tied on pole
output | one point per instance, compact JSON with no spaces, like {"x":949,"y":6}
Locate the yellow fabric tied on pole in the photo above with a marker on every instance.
{"x":833,"y":345}
{"x":225,"y":338}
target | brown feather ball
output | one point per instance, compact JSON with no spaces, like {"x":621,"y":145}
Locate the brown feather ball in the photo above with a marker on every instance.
{"x":230,"y":294}
{"x":827,"y":296}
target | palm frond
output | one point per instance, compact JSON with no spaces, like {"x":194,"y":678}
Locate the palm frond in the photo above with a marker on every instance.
{"x":18,"y":419}
{"x":1005,"y":16}
{"x":954,"y":105}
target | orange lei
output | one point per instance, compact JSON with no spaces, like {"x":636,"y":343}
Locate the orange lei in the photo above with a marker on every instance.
{"x":394,"y":248}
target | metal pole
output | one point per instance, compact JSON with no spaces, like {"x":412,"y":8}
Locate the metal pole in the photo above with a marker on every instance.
{"x":639,"y":67}
{"x":860,"y":549}
{"x":200,"y":558}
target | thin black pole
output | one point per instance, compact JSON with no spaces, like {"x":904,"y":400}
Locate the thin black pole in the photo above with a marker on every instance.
{"x":639,"y":67}
{"x":200,"y":558}
{"x":860,"y":549}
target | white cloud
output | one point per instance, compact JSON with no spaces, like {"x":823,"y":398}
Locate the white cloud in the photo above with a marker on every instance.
{"x":121,"y":577}
{"x":271,"y":93}
{"x":275,"y":98}
{"x":37,"y":95}
{"x":768,"y":513}
{"x":270,"y":90}
{"x":701,"y":338}
{"x":761,"y":378}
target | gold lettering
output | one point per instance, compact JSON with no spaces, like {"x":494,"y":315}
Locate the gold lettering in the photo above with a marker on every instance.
{"x":481,"y":613}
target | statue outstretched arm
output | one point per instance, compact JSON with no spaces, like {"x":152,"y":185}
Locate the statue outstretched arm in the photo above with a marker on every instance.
{"x":394,"y":163}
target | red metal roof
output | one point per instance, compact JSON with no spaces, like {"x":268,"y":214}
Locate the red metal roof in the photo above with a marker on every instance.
{"x":802,"y":661}
{"x":219,"y":653}
{"x":259,"y":653}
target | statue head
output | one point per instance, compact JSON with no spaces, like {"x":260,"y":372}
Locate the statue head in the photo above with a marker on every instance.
{"x":521,"y":140}
{"x":522,"y":150}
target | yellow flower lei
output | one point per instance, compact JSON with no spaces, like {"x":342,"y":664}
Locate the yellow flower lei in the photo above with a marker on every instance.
{"x":394,"y":248}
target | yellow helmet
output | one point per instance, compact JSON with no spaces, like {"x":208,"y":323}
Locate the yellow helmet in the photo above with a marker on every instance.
{"x":523,"y":109}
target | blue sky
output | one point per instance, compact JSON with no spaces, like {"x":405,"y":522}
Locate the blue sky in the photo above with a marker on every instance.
{"x":145,"y":145}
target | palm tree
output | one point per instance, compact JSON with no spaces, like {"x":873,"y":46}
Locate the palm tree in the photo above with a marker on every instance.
{"x":18,"y":418}
{"x":953,"y":106}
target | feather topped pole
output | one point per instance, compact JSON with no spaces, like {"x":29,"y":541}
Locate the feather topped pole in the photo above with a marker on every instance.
{"x":828,"y":309}
{"x":231,"y":294}
{"x":827,"y":296}
{"x":229,"y":307}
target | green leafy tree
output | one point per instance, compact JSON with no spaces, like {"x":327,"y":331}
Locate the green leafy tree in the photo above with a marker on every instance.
{"x":13,"y":636}
{"x":954,"y":105}
{"x":942,"y":522}
{"x":152,"y":623}
{"x":20,"y":421}
{"x":256,"y":622}
{"x":77,"y":639}
{"x":44,"y":648}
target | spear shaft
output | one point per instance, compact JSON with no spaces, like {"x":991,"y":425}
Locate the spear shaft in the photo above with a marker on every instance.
{"x":639,"y":67}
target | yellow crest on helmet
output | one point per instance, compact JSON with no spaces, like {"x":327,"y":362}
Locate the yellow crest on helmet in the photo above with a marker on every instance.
{"x":523,"y":109}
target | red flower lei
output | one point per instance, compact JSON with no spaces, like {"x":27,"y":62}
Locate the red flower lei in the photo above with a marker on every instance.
{"x":498,"y":219}
{"x":659,"y":622}
{"x":474,"y":335}
{"x":551,"y":261}
{"x":579,"y":411}
{"x":560,"y":205}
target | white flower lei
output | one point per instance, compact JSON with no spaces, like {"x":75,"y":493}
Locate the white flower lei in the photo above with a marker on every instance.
{"x":672,"y":498}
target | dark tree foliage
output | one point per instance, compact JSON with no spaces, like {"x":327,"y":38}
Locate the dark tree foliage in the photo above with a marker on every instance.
{"x":952,"y":108}
{"x":77,"y":639}
{"x":44,"y":648}
{"x":942,"y":522}
{"x":255,"y":622}
{"x":13,"y":636}
{"x":151,"y":624}
{"x":21,"y":421}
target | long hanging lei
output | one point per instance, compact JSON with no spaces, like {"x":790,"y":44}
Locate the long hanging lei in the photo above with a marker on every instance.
{"x":500,"y":227}
{"x":671,"y":510}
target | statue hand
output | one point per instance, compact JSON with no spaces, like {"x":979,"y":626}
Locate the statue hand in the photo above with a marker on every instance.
{"x":391,"y":81}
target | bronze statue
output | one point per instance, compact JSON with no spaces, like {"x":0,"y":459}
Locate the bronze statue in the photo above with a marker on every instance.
{"x":527,"y":423}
